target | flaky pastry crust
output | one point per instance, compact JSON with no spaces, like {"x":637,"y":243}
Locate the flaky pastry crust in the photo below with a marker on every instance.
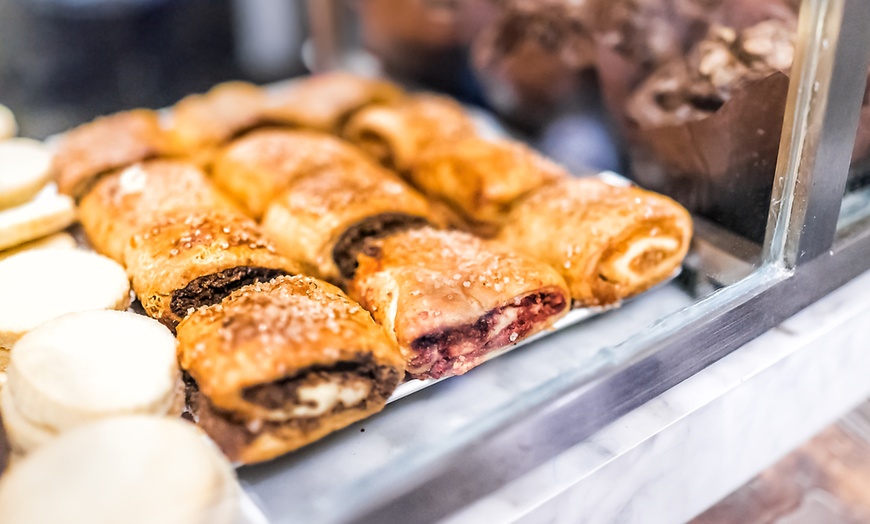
{"x":450,"y":298}
{"x":608,"y":242}
{"x":259,"y":166}
{"x":105,"y":144}
{"x":481,"y":179}
{"x":324,"y":102}
{"x":184,"y":260}
{"x":199,"y":124}
{"x":253,"y":354}
{"x":397,"y":134}
{"x":122,"y":202}
{"x":323,"y":218}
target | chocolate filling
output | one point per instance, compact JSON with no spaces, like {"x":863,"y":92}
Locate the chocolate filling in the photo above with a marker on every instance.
{"x":438,"y":349}
{"x":232,"y":433}
{"x":351,"y":242}
{"x":211,"y":289}
{"x":277,"y":394}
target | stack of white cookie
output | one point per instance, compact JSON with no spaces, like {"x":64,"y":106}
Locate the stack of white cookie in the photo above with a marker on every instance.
{"x":30,"y":215}
{"x":86,"y":366}
{"x":42,"y":275}
{"x":90,"y":394}
{"x":133,"y":469}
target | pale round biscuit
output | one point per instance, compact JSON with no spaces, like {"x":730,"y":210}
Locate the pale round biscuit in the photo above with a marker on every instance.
{"x":23,"y":435}
{"x":40,"y":285}
{"x":55,"y":241}
{"x":86,"y":366}
{"x":42,"y":216}
{"x":25,"y":168}
{"x":132,"y":469}
{"x":8,"y":125}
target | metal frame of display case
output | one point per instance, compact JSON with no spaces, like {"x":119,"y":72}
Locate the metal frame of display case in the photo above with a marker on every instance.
{"x":804,"y":257}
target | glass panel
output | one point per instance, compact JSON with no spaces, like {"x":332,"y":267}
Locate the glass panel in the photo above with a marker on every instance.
{"x":856,"y":201}
{"x":682,"y":97}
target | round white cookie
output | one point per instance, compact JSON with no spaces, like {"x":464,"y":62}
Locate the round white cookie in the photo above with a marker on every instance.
{"x":25,"y":168}
{"x":42,"y":216}
{"x":56,"y":241}
{"x":22,"y":434}
{"x":131,"y":469}
{"x":86,"y":366}
{"x":40,"y":285}
{"x":8,"y":125}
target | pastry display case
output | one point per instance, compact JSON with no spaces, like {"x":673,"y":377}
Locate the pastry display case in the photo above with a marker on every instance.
{"x":743,"y":125}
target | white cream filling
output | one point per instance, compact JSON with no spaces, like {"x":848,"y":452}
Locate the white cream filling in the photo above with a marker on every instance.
{"x":622,"y":264}
{"x":507,"y":317}
{"x":321,"y":398}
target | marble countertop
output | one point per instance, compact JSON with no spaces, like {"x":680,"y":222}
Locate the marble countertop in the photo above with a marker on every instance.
{"x":680,"y":453}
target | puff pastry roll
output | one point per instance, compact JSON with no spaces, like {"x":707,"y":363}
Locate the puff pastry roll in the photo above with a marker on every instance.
{"x":608,"y":242}
{"x":449,"y":298}
{"x":480,"y":179}
{"x":323,"y":219}
{"x":184,"y":260}
{"x":201,"y":123}
{"x":325,"y":101}
{"x":121,"y":203}
{"x":283,"y":363}
{"x":257,"y":167}
{"x":107,"y":143}
{"x":397,"y":134}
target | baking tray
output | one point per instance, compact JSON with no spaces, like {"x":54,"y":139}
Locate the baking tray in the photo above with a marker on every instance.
{"x":488,"y":126}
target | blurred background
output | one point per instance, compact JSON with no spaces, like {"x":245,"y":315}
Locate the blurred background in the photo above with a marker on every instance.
{"x":686,"y":97}
{"x":63,"y":62}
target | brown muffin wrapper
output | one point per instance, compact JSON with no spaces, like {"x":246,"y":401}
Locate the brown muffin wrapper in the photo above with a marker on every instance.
{"x":721,"y":166}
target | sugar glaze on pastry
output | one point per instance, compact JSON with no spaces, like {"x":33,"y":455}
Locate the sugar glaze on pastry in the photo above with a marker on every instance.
{"x":608,"y":242}
{"x":449,"y":298}
{"x":283,"y":363}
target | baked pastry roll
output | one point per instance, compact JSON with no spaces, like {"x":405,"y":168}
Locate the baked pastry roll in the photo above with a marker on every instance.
{"x":608,"y":242}
{"x":323,"y":219}
{"x":184,"y":260}
{"x":283,"y":363}
{"x":259,"y":166}
{"x":107,"y":143}
{"x":325,"y":102}
{"x":121,"y":203}
{"x":480,"y":179}
{"x":397,"y":134}
{"x":201,"y":123}
{"x":449,"y":298}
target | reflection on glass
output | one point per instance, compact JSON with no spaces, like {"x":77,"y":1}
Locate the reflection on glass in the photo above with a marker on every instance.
{"x":682,"y":97}
{"x":856,"y":201}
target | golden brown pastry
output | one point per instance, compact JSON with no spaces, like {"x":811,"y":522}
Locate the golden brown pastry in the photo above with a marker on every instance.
{"x":397,"y":134}
{"x":184,"y":260}
{"x":324,"y":102}
{"x":323,"y":219}
{"x":259,"y":166}
{"x":283,"y":363}
{"x":449,"y":298}
{"x":480,"y":179}
{"x":105,"y":144}
{"x":201,"y":123}
{"x":122,"y":202}
{"x":608,"y":242}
